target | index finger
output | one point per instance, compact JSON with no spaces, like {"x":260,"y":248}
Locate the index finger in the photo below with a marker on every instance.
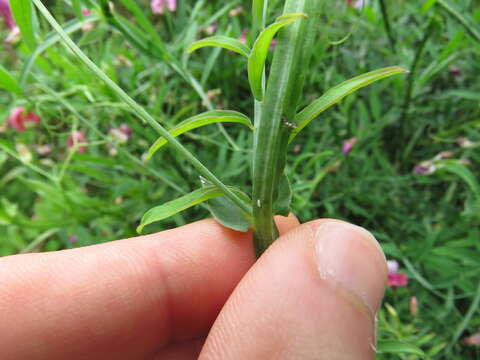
{"x":123,"y":300}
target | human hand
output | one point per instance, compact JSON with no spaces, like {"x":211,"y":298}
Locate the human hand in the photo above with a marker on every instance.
{"x":196,"y":291}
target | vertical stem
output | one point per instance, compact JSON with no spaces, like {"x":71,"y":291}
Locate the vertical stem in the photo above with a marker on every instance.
{"x":411,"y":81}
{"x":461,"y":19}
{"x":280,"y":101}
{"x":386,"y":22}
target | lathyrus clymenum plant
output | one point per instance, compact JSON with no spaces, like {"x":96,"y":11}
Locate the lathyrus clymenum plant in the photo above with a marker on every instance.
{"x":276,"y":123}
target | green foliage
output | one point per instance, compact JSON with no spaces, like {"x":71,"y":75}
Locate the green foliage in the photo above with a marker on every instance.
{"x":223,"y":42}
{"x":206,"y":118}
{"x":22,"y":11}
{"x":196,"y":197}
{"x":258,"y":56}
{"x":337,"y":93}
{"x":429,"y":223}
{"x":7,"y":82}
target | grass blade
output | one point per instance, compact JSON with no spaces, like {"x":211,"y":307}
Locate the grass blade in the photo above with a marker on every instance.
{"x":145,"y":23}
{"x":472,"y":30}
{"x":206,"y":118}
{"x":465,"y":174}
{"x":50,"y":40}
{"x":175,"y":206}
{"x":337,"y":93}
{"x":398,"y":347}
{"x":7,"y":81}
{"x":23,"y":13}
{"x":258,"y":13}
{"x":258,"y":56}
{"x":225,"y":42}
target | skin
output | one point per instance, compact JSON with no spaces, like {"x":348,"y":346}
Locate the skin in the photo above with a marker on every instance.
{"x":197,"y":292}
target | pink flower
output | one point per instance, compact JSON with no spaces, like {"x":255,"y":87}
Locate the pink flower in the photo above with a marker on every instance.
{"x":7,"y":14}
{"x":77,"y":137}
{"x":358,"y":4}
{"x":348,"y":145}
{"x":210,"y":29}
{"x":18,"y":118}
{"x":454,"y":71}
{"x":472,"y":340}
{"x":395,"y":279}
{"x":13,"y":36}
{"x":444,"y":155}
{"x":86,"y":12}
{"x":243,"y":37}
{"x":72,"y":239}
{"x":465,"y":143}
{"x":43,"y":150}
{"x":236,"y":11}
{"x":413,"y":306}
{"x":273,"y":44}
{"x":122,"y":134}
{"x":127,"y":130}
{"x":158,"y":6}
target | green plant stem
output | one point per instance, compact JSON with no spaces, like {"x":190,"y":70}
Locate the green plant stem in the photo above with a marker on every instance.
{"x":467,"y":318}
{"x":38,"y":170}
{"x":141,"y":113}
{"x":461,"y":19}
{"x":39,"y":240}
{"x":411,"y":80}
{"x":271,"y":135}
{"x":386,"y":22}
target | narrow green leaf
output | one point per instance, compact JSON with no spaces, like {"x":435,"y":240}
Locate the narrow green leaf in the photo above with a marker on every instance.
{"x":175,"y":206}
{"x":206,"y":118}
{"x":77,"y":8}
{"x":396,"y":347}
{"x":465,"y":174}
{"x":258,"y":10}
{"x":427,"y":5}
{"x":146,"y":24}
{"x":461,"y":18}
{"x":337,"y":93}
{"x":23,"y":14}
{"x":281,"y":205}
{"x":225,"y":42}
{"x":7,"y":82}
{"x":258,"y":56}
{"x":227,"y":213}
{"x":51,"y":39}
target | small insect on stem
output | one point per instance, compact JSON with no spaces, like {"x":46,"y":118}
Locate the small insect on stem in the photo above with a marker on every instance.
{"x":290,"y":125}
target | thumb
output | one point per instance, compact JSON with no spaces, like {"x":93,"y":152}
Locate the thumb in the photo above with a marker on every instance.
{"x":312,"y":295}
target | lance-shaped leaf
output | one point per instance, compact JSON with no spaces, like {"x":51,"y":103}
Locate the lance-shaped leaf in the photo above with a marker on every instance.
{"x":453,"y":166}
{"x":23,"y":14}
{"x":258,"y":56}
{"x":398,"y":347}
{"x":258,"y":9}
{"x":337,"y":93}
{"x":227,"y":213}
{"x":225,"y":42}
{"x":7,"y":82}
{"x":182,"y":203}
{"x":175,"y":206}
{"x":206,"y":118}
{"x":281,"y":205}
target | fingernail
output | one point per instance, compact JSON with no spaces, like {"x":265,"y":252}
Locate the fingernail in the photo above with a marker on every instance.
{"x":349,"y":256}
